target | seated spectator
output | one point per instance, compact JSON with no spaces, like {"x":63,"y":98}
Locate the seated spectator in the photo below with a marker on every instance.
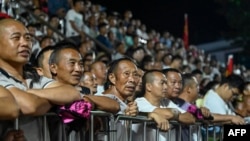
{"x":103,"y":38}
{"x":176,"y":62}
{"x":88,"y":60}
{"x":99,"y":69}
{"x":89,"y":80}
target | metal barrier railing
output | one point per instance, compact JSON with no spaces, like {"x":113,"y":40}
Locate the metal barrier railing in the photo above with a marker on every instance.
{"x":202,"y":132}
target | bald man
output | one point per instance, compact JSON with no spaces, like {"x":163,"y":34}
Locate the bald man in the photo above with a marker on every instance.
{"x":30,"y":92}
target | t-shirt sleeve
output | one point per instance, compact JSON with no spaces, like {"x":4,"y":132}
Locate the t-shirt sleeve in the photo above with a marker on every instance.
{"x":144,"y":105}
{"x":5,"y":82}
{"x":214,"y":106}
{"x":172,"y":105}
{"x":43,"y":83}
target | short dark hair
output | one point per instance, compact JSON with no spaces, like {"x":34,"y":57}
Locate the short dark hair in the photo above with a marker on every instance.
{"x":187,"y":80}
{"x":147,"y":77}
{"x":40,"y":56}
{"x":165,"y":71}
{"x":234,"y":81}
{"x":177,"y":57}
{"x":56,"y":53}
{"x":75,"y":1}
{"x":44,"y":38}
{"x":196,"y":71}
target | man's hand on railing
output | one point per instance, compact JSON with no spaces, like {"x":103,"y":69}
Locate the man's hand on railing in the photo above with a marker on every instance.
{"x":205,"y":112}
{"x":14,"y":135}
{"x":162,"y":122}
{"x":237,"y":120}
{"x":132,"y":109}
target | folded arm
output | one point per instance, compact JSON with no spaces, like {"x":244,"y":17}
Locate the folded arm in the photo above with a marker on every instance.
{"x":8,"y":105}
{"x":30,"y":104}
{"x":104,"y":103}
{"x":58,"y":93}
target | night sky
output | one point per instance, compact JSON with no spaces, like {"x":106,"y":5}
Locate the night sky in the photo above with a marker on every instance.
{"x":205,"y":24}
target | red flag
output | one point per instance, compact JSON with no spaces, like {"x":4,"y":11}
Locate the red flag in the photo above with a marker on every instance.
{"x":229,"y":69}
{"x":185,"y":33}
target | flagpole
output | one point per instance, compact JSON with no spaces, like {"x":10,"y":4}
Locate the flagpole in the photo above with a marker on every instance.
{"x":186,"y":32}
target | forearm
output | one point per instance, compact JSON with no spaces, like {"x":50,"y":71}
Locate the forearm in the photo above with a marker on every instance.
{"x":104,"y":103}
{"x":166,"y":112}
{"x":225,"y":119}
{"x":9,"y":108}
{"x":75,"y":27}
{"x":29,"y":103}
{"x":59,"y":95}
{"x":186,"y":118}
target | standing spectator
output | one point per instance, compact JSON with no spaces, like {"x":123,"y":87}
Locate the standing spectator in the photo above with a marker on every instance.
{"x":75,"y":22}
{"x":34,"y":95}
{"x":66,"y":66}
{"x":154,"y":89}
{"x":217,"y":100}
{"x":174,"y":82}
{"x":122,"y":81}
{"x":8,"y":105}
{"x":68,"y":70}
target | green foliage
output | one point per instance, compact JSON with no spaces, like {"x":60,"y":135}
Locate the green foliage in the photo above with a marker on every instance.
{"x":237,"y":13}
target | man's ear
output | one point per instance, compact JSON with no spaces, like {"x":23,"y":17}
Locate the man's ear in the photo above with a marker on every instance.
{"x":39,"y":71}
{"x":226,"y":86}
{"x":187,"y":89}
{"x":53,"y":68}
{"x":148,"y":87}
{"x":111,"y":78}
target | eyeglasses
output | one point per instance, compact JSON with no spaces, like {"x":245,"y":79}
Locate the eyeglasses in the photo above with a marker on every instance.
{"x":234,"y":94}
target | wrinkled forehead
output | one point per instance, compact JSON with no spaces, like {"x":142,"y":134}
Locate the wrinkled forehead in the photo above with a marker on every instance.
{"x":126,"y":65}
{"x":174,"y":75}
{"x":70,"y":52}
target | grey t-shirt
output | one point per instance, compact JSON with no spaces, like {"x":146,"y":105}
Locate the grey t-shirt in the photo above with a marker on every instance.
{"x":31,"y":126}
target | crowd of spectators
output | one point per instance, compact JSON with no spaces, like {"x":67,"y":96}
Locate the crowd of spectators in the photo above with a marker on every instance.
{"x":84,"y":52}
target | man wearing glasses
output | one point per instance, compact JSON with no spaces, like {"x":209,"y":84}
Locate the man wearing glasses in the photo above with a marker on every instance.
{"x":217,"y":101}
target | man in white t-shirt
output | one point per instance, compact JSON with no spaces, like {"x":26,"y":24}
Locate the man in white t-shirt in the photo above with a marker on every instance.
{"x":217,"y":101}
{"x":74,"y":20}
{"x":154,"y":88}
{"x":123,"y":79}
